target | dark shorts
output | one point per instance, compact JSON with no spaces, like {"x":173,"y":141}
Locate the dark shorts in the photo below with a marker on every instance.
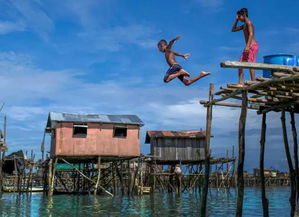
{"x":172,"y":70}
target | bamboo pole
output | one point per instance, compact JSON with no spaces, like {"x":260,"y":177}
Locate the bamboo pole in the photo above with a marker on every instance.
{"x":99,"y":176}
{"x":203,"y":210}
{"x":290,"y":164}
{"x":240,"y":171}
{"x":294,"y":132}
{"x":265,"y":201}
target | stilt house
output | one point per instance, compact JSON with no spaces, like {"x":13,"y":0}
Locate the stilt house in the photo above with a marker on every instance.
{"x":94,"y":135}
{"x":177,"y":146}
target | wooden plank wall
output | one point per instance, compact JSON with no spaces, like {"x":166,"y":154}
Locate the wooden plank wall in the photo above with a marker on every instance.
{"x":178,"y":149}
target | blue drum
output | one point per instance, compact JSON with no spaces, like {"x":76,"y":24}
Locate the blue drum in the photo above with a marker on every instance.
{"x":280,"y":59}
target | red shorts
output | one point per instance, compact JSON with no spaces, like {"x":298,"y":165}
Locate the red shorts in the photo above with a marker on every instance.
{"x":250,"y":56}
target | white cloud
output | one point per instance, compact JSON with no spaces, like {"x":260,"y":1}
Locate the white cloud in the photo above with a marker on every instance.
{"x":112,"y":39}
{"x":8,"y":27}
{"x":34,"y":17}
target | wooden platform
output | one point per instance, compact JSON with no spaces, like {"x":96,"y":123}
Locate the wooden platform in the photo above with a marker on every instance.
{"x":281,"y":92}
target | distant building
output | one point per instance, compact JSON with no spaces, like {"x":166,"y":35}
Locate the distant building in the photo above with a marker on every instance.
{"x":94,"y":134}
{"x":177,"y":146}
{"x":267,"y":172}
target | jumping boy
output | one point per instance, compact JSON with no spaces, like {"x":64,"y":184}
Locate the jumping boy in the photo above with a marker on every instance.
{"x":251,"y":48}
{"x":175,"y":70}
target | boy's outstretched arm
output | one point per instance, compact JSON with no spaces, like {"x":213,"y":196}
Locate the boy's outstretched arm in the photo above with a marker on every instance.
{"x":185,"y":56}
{"x":171,"y":42}
{"x":236,"y":28}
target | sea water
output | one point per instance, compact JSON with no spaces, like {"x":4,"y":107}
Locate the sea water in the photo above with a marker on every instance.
{"x":220,"y":203}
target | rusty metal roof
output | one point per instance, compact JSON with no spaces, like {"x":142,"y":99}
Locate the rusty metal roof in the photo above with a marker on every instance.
{"x":177,"y":134}
{"x":97,"y":118}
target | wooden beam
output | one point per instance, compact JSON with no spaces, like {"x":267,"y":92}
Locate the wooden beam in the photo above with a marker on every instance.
{"x":203,"y":208}
{"x":221,"y":104}
{"x":295,"y":140}
{"x":292,"y":198}
{"x":98,"y":177}
{"x":258,"y":66}
{"x":241,"y":158}
{"x":265,"y":201}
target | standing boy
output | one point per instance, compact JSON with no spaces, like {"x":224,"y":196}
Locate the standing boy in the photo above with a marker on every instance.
{"x":175,"y":70}
{"x":251,"y":48}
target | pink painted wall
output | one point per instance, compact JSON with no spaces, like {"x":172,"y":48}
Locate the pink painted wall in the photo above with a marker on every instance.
{"x":99,"y":141}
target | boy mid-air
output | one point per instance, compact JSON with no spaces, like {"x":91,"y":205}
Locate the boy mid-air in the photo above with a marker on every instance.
{"x":175,"y":70}
{"x":251,"y":48}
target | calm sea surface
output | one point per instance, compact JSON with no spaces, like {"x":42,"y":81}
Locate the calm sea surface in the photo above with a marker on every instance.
{"x":219,"y":204}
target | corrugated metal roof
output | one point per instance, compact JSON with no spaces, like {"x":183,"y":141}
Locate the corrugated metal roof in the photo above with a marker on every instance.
{"x":182,"y":134}
{"x":87,"y":118}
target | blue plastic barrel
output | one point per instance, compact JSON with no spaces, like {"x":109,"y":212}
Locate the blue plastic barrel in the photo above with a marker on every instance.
{"x":280,"y":59}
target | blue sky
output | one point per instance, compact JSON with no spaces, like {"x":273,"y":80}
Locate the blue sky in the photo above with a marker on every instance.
{"x":101,"y":57}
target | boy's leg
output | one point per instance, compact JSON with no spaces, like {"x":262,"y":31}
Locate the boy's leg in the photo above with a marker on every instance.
{"x":179,"y":73}
{"x":241,"y":77}
{"x":196,"y":78}
{"x":252,"y":74}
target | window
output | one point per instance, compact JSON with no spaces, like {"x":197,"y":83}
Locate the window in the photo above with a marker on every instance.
{"x":120,"y":132}
{"x":80,"y":130}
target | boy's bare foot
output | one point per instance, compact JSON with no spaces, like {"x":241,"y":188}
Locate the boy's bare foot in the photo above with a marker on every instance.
{"x":205,"y":73}
{"x":239,"y":85}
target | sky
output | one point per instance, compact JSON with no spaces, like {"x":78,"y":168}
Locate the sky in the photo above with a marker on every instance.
{"x":88,"y":56}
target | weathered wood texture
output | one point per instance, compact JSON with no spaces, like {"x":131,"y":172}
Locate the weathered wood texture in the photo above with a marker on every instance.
{"x":178,"y":149}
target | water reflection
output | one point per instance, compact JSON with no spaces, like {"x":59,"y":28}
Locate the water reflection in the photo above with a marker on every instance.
{"x":220,"y":203}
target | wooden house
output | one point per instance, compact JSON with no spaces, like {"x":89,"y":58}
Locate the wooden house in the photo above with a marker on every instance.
{"x":94,"y":135}
{"x":176,"y":146}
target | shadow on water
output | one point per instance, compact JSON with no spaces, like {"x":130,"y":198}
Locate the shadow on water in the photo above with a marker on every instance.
{"x":220,"y":203}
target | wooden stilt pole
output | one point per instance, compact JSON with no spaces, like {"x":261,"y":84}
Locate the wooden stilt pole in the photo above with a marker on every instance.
{"x":203,"y":209}
{"x":50,"y":166}
{"x":99,"y":176}
{"x":294,"y":131}
{"x":240,"y":172}
{"x":265,"y":201}
{"x":292,"y":198}
{"x":53,"y":178}
{"x":2,"y":153}
{"x":129,"y":178}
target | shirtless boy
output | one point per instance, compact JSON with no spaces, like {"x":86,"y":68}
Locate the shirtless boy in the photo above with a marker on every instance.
{"x":251,"y":48}
{"x":175,"y":70}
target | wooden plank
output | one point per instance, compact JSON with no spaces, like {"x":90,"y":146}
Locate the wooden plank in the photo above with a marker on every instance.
{"x":258,"y":66}
{"x":281,"y":75}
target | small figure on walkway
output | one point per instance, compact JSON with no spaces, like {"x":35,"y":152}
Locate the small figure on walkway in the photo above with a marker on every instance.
{"x":175,"y":70}
{"x":251,"y":48}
